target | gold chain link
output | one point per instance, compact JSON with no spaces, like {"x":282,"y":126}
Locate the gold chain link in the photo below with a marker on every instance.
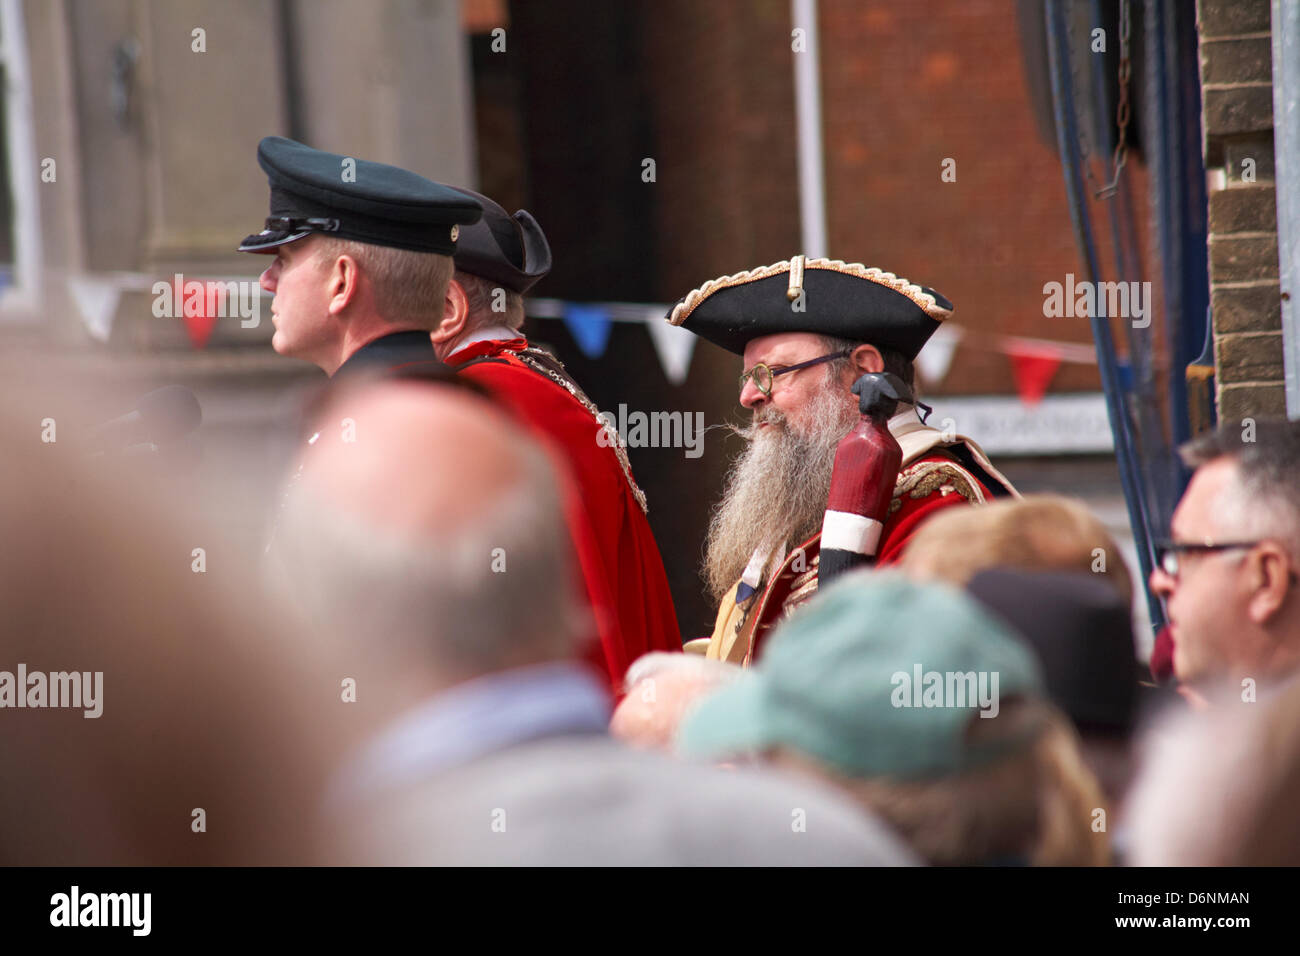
{"x":613,"y":437}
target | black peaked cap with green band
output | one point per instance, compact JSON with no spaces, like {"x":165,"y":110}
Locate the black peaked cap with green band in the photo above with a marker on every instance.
{"x":822,"y":296}
{"x":315,"y":191}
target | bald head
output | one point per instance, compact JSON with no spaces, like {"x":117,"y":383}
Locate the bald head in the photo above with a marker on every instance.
{"x":427,"y":530}
{"x":661,"y":689}
{"x":415,"y":459}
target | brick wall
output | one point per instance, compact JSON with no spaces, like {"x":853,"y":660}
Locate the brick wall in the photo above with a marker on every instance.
{"x":906,"y":85}
{"x":903,"y":87}
{"x":1237,"y":95}
{"x":727,"y":195}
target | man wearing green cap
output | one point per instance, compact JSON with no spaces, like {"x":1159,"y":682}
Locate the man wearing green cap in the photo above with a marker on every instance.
{"x":807,"y":329}
{"x":924,"y":708}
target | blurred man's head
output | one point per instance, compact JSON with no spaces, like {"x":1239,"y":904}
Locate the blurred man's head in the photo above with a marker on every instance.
{"x":925,"y":709}
{"x":433,"y":540}
{"x":215,"y":721}
{"x":661,"y":690}
{"x":1081,"y":632}
{"x":1220,"y":788}
{"x":1033,"y":533}
{"x":1229,"y":577}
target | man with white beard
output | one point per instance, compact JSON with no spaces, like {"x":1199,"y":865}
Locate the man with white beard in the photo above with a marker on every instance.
{"x":807,"y":330}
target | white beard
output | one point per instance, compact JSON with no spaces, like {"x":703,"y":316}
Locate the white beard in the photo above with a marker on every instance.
{"x":776,"y":489}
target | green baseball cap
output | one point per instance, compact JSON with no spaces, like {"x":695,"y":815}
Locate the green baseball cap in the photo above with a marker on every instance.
{"x":879,"y":675}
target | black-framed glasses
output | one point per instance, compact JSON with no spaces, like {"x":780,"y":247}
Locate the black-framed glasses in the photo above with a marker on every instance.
{"x":763,"y":374}
{"x":294,"y":224}
{"x":1168,"y":552}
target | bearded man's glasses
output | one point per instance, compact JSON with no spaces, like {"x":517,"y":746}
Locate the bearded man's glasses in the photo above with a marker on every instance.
{"x":762,"y":374}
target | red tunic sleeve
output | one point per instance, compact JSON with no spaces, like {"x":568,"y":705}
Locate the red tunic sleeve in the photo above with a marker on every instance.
{"x":926,"y":487}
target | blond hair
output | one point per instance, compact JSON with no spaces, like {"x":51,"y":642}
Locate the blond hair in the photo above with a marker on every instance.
{"x":1034,"y":805}
{"x":408,"y":286}
{"x":1036,"y":532}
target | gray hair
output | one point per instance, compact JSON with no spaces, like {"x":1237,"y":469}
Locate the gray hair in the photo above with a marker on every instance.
{"x":491,"y":594}
{"x":409,"y":286}
{"x":484,"y":297}
{"x":1265,"y":497}
{"x":895,"y":361}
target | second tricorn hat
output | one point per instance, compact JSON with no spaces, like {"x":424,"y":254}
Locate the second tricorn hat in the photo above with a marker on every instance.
{"x":846,"y":300}
{"x":511,"y":250}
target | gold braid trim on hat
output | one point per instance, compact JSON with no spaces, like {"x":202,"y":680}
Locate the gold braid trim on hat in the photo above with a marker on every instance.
{"x":924,"y":300}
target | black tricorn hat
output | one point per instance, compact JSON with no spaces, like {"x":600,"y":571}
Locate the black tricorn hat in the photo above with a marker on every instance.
{"x":315,"y":191}
{"x":823,"y":296}
{"x":511,"y":250}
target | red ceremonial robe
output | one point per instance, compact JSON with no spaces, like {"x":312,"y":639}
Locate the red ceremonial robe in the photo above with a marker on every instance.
{"x":616,"y":551}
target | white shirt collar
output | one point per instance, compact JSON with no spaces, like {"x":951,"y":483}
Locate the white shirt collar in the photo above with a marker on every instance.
{"x":493,"y":333}
{"x":905,"y":420}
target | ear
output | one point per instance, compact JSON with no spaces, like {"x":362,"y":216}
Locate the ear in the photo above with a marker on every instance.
{"x":1271,"y":581}
{"x":866,"y":358}
{"x":344,"y":283}
{"x":455,"y":311}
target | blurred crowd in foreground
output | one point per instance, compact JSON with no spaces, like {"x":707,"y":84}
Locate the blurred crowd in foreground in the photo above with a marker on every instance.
{"x":458,"y":646}
{"x":374,"y":690}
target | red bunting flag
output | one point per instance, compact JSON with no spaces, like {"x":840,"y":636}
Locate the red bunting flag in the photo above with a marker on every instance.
{"x":200,"y":304}
{"x":1034,"y":367}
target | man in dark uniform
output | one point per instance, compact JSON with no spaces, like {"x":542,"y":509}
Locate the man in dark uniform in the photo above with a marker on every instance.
{"x":498,"y":259}
{"x":362,"y":256}
{"x":807,"y":329}
{"x":362,"y":261}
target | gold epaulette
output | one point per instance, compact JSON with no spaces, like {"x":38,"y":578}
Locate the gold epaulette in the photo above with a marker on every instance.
{"x":924,"y":478}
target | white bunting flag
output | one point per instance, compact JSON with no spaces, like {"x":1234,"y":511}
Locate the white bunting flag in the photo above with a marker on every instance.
{"x":674,"y":344}
{"x":936,"y":355}
{"x":97,"y":301}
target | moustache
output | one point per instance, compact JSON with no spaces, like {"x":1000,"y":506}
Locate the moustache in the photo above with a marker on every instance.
{"x":763,"y":416}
